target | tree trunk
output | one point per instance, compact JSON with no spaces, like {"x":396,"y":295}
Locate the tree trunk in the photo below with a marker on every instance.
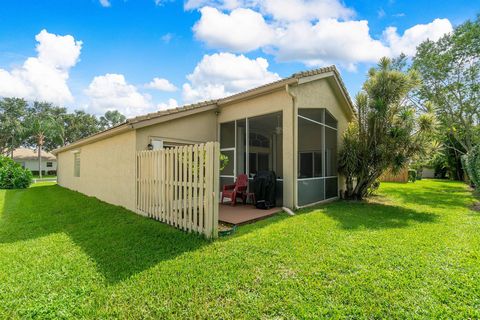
{"x":361,"y":188}
{"x":40,"y":161}
{"x":349,"y":187}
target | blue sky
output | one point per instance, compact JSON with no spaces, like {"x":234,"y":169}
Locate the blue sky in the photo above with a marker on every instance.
{"x":100,"y":55}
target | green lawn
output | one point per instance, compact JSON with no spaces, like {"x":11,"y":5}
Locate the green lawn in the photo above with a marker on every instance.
{"x":49,"y":176}
{"x":415,"y":253}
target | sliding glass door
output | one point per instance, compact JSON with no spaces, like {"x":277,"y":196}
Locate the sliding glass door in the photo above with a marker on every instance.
{"x":317,"y":156}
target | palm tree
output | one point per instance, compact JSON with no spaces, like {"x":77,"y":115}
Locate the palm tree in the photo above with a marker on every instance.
{"x":388,"y":131}
{"x":40,"y":124}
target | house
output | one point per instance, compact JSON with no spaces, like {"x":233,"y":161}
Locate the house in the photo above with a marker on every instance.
{"x":292,"y":126}
{"x":427,"y":172}
{"x":28,"y":158}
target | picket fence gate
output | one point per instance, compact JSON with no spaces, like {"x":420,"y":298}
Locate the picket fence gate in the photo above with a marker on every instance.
{"x":179,"y":186}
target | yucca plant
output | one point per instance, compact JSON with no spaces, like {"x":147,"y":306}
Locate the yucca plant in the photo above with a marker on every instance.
{"x":388,"y":131}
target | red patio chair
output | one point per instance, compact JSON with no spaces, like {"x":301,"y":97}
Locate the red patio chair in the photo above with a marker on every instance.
{"x":239,"y":189}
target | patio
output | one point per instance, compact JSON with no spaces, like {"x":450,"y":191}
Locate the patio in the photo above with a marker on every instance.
{"x":242,"y":214}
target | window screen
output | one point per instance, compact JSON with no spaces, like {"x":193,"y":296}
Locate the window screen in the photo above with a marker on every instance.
{"x":317,"y":156}
{"x":330,"y":120}
{"x":228,"y":169}
{"x":227,"y":135}
{"x":305,"y":165}
{"x":314,"y":114}
{"x":330,"y":152}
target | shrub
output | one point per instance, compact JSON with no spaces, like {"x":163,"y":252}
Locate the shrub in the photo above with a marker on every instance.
{"x":12,"y":175}
{"x":412,"y":175}
{"x":223,"y":161}
{"x":471,"y":164}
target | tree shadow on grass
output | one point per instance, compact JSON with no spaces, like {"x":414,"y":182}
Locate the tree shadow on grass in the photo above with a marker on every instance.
{"x":120,"y":242}
{"x":363,"y":215}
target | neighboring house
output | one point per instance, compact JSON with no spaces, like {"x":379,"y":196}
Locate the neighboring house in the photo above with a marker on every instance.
{"x":292,"y":126}
{"x":428,"y":172}
{"x":28,"y":158}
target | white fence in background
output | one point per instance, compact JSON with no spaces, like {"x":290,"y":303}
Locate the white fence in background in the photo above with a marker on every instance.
{"x":179,"y":186}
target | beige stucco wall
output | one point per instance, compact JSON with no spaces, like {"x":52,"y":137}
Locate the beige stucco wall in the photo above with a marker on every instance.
{"x":107,"y":170}
{"x":320,"y":94}
{"x":269,"y":103}
{"x":197,"y":128}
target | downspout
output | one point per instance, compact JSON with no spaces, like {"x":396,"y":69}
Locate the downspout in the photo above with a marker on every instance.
{"x":295,"y":141}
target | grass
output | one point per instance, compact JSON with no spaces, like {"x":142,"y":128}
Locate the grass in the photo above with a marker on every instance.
{"x":49,"y":176}
{"x":412,"y":252}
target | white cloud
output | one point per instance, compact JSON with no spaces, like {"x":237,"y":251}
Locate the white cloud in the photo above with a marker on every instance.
{"x":221,"y":4}
{"x":222,"y":74}
{"x":105,"y":3}
{"x":281,"y":10}
{"x":167,"y":37}
{"x":304,"y":10}
{"x":161,"y":85}
{"x":44,"y":77}
{"x":329,"y":41}
{"x":170,"y":104}
{"x":300,"y":30}
{"x":411,"y":38}
{"x":112,"y":92}
{"x":241,"y":30}
{"x":162,"y":2}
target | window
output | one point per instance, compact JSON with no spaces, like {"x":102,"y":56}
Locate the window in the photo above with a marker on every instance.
{"x":76,"y":164}
{"x":49,"y":164}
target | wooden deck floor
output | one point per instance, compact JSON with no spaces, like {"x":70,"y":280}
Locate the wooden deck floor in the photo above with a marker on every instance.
{"x":242,"y":214}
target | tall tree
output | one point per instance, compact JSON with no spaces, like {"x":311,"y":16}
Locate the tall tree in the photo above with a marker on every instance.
{"x":388,"y":131}
{"x":79,"y":125}
{"x":450,"y":70}
{"x":41,"y":126}
{"x":111,"y":119}
{"x":12,"y":112}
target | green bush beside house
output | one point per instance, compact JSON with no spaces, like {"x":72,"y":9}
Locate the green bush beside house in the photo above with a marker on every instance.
{"x":471,"y":164}
{"x":12,"y":175}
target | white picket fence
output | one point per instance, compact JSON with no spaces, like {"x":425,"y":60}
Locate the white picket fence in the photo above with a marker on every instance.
{"x":179,"y":186}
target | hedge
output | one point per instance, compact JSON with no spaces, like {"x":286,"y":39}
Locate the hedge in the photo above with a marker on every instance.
{"x":471,"y":164}
{"x":12,"y":175}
